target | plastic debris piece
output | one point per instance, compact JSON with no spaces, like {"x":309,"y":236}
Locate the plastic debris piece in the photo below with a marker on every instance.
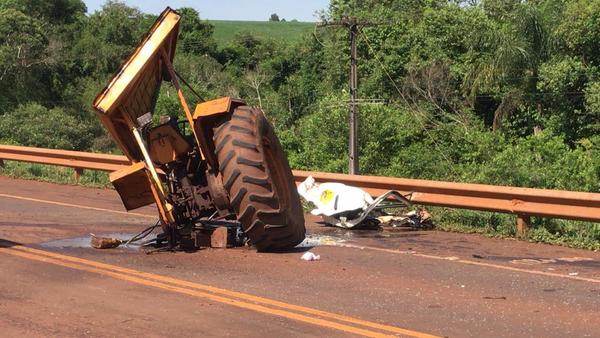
{"x":333,"y":198}
{"x":309,"y":256}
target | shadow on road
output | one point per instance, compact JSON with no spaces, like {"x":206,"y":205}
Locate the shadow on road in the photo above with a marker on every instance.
{"x":4,"y":243}
{"x":291,"y":250}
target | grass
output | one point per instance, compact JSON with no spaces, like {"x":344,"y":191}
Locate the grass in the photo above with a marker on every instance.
{"x":575,"y":234}
{"x":46,"y":173}
{"x":288,"y":31}
{"x":582,"y":235}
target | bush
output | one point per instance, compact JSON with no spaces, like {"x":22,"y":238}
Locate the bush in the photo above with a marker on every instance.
{"x":37,"y":126}
{"x":543,"y":161}
{"x":319,"y":141}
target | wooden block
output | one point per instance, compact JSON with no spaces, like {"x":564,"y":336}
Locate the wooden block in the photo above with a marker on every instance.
{"x":218,"y":239}
{"x":201,"y":239}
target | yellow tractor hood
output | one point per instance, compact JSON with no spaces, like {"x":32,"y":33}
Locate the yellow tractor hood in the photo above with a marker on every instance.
{"x":133,"y":90}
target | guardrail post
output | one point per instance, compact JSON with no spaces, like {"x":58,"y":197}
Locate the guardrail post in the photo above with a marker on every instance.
{"x":77,"y":174}
{"x":523,"y":222}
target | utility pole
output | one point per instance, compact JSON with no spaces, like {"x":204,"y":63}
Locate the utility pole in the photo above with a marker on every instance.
{"x":352,"y":24}
{"x":353,"y":135}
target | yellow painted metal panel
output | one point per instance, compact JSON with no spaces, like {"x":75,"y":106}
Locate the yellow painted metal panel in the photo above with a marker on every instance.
{"x":212,"y":107}
{"x":133,"y":186}
{"x":163,"y":32}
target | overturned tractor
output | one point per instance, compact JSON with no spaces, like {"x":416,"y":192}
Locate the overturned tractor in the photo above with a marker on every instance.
{"x":222,"y":166}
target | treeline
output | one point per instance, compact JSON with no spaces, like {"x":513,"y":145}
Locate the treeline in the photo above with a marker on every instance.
{"x":501,"y":92}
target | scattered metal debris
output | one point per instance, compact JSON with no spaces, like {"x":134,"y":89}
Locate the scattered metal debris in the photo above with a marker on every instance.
{"x":98,"y":242}
{"x":351,"y":207}
{"x":209,"y":233}
{"x":410,"y":220}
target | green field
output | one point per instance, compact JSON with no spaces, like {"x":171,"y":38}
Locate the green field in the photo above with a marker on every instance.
{"x":289,"y":31}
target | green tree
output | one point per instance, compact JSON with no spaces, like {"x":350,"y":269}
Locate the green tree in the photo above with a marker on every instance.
{"x":23,"y":49}
{"x":505,"y":62}
{"x":500,"y":9}
{"x":592,"y":104}
{"x":55,"y":12}
{"x":563,"y":80}
{"x":196,"y":35}
{"x":580,"y":30}
{"x":108,"y":37}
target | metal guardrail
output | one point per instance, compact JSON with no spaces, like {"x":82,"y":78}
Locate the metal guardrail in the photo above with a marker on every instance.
{"x":523,"y":202}
{"x":65,"y":158}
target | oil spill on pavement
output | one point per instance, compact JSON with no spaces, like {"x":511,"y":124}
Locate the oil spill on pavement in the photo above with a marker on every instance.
{"x":320,"y":240}
{"x":84,"y":242}
{"x":376,"y":233}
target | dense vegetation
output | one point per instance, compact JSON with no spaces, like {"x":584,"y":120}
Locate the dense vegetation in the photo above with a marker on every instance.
{"x":501,"y":92}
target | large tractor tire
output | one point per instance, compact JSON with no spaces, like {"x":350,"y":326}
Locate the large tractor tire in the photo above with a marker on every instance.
{"x":258,"y":179}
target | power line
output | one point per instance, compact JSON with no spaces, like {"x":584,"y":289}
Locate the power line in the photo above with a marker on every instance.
{"x":189,"y":86}
{"x":352,"y":24}
{"x":436,"y":145}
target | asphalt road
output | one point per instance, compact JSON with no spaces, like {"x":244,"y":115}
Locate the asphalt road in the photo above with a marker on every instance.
{"x":367,"y":283}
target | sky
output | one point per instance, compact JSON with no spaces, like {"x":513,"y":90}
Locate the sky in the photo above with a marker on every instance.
{"x":249,"y":10}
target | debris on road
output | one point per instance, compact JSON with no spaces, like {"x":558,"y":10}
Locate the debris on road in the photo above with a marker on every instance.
{"x":333,"y":198}
{"x":412,"y":219}
{"x":98,"y":242}
{"x":498,"y":298}
{"x":351,"y":207}
{"x":309,"y":256}
{"x":218,"y":239}
{"x":313,"y":240}
{"x":104,"y":242}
